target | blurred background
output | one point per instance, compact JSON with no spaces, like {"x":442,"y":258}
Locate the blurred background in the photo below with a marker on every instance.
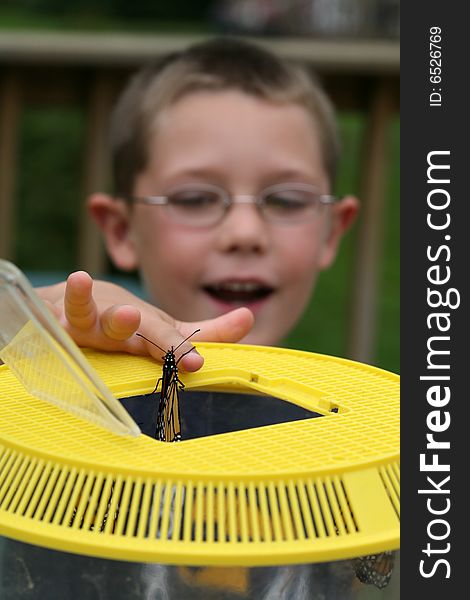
{"x":62,"y":65}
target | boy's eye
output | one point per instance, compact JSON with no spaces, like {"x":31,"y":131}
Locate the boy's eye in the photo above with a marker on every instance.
{"x":194,"y":200}
{"x":289,"y":201}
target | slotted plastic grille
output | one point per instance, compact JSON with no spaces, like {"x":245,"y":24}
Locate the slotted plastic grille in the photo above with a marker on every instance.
{"x":313,"y":490}
{"x":158,"y":509}
{"x":390,"y":475}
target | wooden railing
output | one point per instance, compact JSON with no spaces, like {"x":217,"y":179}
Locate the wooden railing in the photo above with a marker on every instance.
{"x":89,"y":70}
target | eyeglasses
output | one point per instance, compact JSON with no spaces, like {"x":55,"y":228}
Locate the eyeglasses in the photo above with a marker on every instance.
{"x":204,"y":205}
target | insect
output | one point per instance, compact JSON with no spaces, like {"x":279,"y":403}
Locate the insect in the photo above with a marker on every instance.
{"x":168,"y":414}
{"x":375,"y":569}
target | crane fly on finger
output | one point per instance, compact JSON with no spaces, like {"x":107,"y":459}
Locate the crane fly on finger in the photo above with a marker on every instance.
{"x":168,"y":414}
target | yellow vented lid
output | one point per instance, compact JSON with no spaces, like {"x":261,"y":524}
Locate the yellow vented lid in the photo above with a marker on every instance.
{"x":313,"y":490}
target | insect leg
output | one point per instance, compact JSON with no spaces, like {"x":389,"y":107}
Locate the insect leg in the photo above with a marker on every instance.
{"x":156,"y":386}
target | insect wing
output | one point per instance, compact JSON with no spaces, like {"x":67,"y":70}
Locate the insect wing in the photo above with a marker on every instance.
{"x":168,"y":417}
{"x":375,"y":569}
{"x":172,"y":413}
{"x":168,"y":414}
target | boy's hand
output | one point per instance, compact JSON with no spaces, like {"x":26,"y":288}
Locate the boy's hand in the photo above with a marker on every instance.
{"x":105,"y":316}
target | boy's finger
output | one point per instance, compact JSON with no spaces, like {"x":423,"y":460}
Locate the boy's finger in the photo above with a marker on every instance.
{"x":192,"y":361}
{"x":79,"y":307}
{"x":120,"y":322}
{"x":169,"y":337}
{"x":230,"y":327}
{"x":55,"y":310}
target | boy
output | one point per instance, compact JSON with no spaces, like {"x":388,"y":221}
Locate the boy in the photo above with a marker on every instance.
{"x":224,"y":157}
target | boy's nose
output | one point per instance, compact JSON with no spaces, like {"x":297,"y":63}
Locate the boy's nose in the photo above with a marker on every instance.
{"x":243,"y":230}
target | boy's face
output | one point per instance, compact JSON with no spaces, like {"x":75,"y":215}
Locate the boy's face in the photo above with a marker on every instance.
{"x":241,"y":144}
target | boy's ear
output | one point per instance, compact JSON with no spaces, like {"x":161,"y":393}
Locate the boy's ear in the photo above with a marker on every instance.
{"x":113,"y":218}
{"x":344,"y":214}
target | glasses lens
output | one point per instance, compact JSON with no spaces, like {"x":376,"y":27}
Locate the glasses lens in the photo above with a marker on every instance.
{"x":197,"y":207}
{"x":290,"y":205}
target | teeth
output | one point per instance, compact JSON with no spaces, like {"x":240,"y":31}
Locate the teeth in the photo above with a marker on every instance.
{"x":238,"y":286}
{"x":238,"y":292}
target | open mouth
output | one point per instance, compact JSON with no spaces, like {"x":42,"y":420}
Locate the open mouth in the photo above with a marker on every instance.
{"x":238,"y":292}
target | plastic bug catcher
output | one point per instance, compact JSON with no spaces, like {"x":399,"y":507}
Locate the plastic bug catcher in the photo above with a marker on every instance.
{"x":289,"y":477}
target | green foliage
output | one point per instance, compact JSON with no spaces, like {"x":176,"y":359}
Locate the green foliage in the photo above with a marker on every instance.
{"x":325,"y":325}
{"x":49,"y":194}
{"x":105,"y":15}
{"x":388,"y":350}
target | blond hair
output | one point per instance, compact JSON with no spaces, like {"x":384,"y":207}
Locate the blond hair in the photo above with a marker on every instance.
{"x":217,"y":65}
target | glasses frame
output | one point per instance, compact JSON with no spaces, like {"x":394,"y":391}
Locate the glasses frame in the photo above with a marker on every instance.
{"x":228,"y":199}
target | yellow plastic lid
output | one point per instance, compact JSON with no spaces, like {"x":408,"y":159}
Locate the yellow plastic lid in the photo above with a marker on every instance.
{"x":313,"y":490}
